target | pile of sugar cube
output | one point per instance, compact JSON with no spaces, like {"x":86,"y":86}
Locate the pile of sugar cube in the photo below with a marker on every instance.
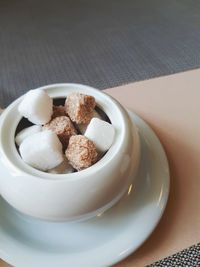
{"x":65,"y":138}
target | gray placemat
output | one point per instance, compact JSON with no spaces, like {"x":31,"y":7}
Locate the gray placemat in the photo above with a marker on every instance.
{"x":189,"y":257}
{"x":97,"y":42}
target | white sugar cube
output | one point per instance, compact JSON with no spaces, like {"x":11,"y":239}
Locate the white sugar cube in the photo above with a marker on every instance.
{"x":63,"y":168}
{"x":82,"y":127}
{"x":36,"y":106}
{"x":27,"y":132}
{"x":42,"y":150}
{"x":101,"y":133}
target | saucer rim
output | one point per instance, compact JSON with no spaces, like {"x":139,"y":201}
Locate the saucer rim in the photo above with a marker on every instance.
{"x":130,"y":250}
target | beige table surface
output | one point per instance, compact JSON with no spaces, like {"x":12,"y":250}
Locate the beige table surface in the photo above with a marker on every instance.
{"x":171,"y":105}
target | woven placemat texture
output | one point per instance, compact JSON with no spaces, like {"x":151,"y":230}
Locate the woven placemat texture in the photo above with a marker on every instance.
{"x":189,"y":257}
{"x":101,"y":43}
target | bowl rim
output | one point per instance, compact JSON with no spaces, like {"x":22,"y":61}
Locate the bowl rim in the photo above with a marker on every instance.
{"x":25,"y":169}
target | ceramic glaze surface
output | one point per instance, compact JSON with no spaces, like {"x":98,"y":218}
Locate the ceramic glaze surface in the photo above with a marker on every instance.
{"x":73,"y":196}
{"x":102,"y":240}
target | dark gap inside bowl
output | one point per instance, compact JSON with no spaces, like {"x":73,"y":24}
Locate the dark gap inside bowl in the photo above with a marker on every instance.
{"x":24,"y":123}
{"x":59,"y":101}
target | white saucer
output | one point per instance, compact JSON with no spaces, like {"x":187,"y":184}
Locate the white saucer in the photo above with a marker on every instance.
{"x":101,"y":241}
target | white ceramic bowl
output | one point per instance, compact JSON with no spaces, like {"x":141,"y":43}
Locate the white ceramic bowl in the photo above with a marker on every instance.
{"x":78,"y":195}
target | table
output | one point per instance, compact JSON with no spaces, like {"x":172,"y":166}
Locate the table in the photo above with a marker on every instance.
{"x":171,"y":105}
{"x":100,"y":43}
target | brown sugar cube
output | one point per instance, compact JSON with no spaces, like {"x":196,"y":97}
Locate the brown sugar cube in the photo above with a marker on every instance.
{"x":80,"y":107}
{"x":81,"y":152}
{"x":63,"y":127}
{"x":58,"y":111}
